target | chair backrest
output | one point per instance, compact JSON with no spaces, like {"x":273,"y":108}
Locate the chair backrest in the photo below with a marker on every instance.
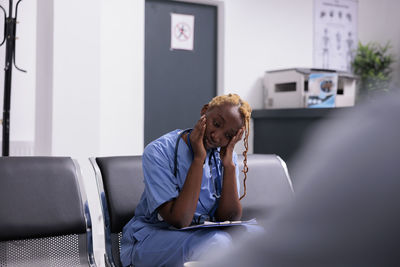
{"x":268,"y":185}
{"x":120,"y":185}
{"x":44,"y":218}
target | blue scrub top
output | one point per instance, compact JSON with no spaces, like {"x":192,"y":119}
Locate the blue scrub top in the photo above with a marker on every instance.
{"x":162,"y":186}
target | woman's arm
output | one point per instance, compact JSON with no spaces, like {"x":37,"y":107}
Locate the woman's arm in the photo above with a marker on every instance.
{"x":179,"y":211}
{"x":229,"y":207}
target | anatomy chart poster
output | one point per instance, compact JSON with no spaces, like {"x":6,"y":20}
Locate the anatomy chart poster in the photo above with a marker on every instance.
{"x":335,"y":33}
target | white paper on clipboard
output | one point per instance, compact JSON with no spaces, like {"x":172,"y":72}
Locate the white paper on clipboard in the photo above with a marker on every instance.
{"x":208,"y":224}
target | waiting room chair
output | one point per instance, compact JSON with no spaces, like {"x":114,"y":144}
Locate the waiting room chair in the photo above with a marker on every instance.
{"x":44,"y":216}
{"x":268,"y":185}
{"x":120,"y":185}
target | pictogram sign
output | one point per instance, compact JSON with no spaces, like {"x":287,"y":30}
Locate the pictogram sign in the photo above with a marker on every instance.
{"x":182,"y":31}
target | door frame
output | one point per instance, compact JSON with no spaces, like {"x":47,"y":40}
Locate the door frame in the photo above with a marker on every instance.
{"x":220,"y":38}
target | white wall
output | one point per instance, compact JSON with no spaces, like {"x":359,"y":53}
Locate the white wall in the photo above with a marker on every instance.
{"x":122,"y":78}
{"x":262,"y":35}
{"x":23,"y":84}
{"x":76,"y":78}
{"x":102,"y":114}
{"x":44,"y":78}
{"x":94,"y":65}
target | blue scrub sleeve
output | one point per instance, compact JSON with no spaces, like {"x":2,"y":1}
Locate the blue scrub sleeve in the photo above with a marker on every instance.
{"x":161,"y":184}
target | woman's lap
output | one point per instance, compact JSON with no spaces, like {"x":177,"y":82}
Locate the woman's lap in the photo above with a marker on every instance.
{"x":166,"y":247}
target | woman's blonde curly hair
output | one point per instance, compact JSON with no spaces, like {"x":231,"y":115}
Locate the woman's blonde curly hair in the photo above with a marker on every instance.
{"x":245,"y":112}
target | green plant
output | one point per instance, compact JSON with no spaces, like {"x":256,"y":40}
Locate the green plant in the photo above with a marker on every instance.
{"x":372,"y":63}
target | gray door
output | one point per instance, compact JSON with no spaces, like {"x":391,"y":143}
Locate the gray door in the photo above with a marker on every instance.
{"x":177,"y":82}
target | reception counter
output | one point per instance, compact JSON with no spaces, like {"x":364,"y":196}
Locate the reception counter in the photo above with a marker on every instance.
{"x":283,"y":131}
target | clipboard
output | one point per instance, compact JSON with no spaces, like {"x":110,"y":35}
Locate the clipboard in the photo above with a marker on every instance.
{"x":208,"y":224}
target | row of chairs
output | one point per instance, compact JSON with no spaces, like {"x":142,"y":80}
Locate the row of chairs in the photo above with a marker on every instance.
{"x":45,"y":217}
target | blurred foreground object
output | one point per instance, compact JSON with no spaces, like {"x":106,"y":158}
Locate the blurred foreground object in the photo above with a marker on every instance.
{"x":346,"y":211}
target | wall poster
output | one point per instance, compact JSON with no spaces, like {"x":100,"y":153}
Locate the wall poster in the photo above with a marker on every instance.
{"x":335,"y":33}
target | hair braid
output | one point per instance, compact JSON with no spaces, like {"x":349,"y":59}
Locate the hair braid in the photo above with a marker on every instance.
{"x":245,"y":112}
{"x":246,"y":149}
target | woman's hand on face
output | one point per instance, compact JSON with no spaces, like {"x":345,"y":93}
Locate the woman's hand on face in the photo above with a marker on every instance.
{"x":226,"y":152}
{"x":197,"y":137}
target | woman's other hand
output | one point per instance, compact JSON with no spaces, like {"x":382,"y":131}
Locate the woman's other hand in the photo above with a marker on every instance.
{"x":226,"y":152}
{"x":197,"y":137}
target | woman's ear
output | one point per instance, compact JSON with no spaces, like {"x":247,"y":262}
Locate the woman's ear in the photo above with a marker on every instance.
{"x":204,"y":109}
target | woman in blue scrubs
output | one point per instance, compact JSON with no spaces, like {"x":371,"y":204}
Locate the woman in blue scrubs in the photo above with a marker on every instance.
{"x":190,"y":176}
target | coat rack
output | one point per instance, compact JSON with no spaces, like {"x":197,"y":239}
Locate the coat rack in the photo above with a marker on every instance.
{"x":10,"y":23}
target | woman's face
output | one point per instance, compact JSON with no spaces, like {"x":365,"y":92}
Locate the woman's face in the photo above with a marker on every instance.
{"x":223,"y":122}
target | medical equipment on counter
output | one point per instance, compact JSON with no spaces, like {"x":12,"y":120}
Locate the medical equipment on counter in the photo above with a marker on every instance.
{"x":289,"y":88}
